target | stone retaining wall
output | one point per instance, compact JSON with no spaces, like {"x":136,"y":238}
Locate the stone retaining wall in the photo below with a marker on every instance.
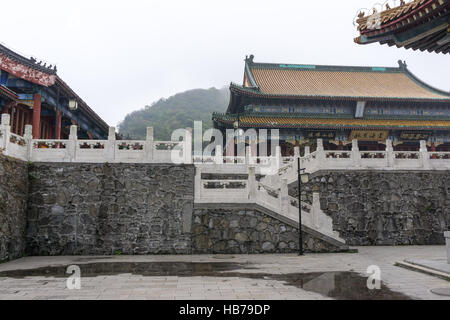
{"x":384,"y":208}
{"x":13,"y":205}
{"x":105,"y":209}
{"x":245,"y":229}
{"x":82,"y":209}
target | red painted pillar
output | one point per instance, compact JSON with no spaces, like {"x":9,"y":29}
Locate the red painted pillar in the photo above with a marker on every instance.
{"x":58,"y":124}
{"x":433,"y":149}
{"x":36,"y":115}
{"x":6,"y":107}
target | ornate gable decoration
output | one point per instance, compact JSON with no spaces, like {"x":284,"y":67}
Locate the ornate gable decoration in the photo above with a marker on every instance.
{"x":25,"y":72}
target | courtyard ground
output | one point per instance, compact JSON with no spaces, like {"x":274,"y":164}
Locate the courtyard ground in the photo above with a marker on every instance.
{"x":198,"y":277}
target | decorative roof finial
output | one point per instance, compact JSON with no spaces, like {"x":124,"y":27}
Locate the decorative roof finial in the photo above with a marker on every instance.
{"x":249,"y":59}
{"x":402,"y":2}
{"x":388,"y":7}
{"x":402,"y":64}
{"x":361,"y":14}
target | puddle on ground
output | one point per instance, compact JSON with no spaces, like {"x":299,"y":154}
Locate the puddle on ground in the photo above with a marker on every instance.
{"x":337,"y":285}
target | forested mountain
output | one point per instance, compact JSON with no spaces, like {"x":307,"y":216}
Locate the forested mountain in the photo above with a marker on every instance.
{"x":178,"y":111}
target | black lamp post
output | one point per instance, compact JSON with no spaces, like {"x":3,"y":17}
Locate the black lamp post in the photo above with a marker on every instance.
{"x":300,"y":236}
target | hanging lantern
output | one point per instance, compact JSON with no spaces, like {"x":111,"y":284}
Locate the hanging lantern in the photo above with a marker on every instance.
{"x":73,"y":105}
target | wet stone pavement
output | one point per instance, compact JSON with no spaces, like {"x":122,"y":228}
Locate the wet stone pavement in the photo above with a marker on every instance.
{"x":262,"y":277}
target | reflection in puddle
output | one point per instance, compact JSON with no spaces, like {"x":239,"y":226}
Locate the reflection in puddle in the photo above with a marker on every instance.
{"x":337,"y":285}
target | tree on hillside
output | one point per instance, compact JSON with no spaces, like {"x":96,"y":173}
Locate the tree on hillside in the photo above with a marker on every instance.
{"x":178,"y":111}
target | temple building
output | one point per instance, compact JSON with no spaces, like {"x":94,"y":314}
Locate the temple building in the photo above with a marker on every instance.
{"x":32,"y":93}
{"x":418,"y":25}
{"x":339,"y":104}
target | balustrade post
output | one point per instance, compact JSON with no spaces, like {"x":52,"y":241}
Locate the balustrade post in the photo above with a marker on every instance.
{"x":111,"y":145}
{"x":356,"y":155}
{"x":389,"y":153}
{"x":149,"y":145}
{"x":424,"y":156}
{"x":307,"y":150}
{"x":72,"y":143}
{"x":187,"y":152}
{"x":296,"y":156}
{"x":5,"y":133}
{"x":315,"y":210}
{"x":252,"y":183}
{"x":219,"y":155}
{"x":320,"y":155}
{"x":284,"y":196}
{"x":198,"y":182}
{"x":28,"y":137}
{"x":247,"y":155}
{"x":278,"y":157}
{"x":297,"y":152}
{"x":252,"y":155}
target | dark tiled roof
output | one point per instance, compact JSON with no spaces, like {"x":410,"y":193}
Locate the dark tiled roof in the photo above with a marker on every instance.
{"x":427,"y":22}
{"x":57,"y":81}
{"x":82,"y":104}
{"x":32,"y":63}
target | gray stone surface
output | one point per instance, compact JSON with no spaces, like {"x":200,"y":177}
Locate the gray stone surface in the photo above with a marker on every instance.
{"x":13,"y":204}
{"x":134,"y":286}
{"x":441,"y":291}
{"x":384,"y":208}
{"x":109,"y":208}
{"x":248,"y":230}
{"x":439,"y":265}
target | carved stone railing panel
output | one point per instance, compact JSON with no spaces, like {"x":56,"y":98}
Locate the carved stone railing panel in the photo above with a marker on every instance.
{"x":90,"y":144}
{"x":338,"y":154}
{"x":406,"y":155}
{"x":130,"y":145}
{"x":16,"y":139}
{"x":224,"y":184}
{"x":165,"y":145}
{"x":373,"y":154}
{"x":49,"y":144}
{"x":439,"y":155}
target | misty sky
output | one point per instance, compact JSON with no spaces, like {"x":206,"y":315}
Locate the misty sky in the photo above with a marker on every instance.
{"x":122,"y":55}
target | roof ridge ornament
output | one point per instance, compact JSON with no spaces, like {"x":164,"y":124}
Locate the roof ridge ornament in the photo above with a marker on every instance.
{"x":402,"y":64}
{"x":249,"y":59}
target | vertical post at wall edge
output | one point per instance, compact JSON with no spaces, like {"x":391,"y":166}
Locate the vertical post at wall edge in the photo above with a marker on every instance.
{"x":252,"y":183}
{"x":187,"y":152}
{"x":149,"y":145}
{"x":198,"y":183}
{"x":72,"y":143}
{"x":28,"y":136}
{"x":5,"y":130}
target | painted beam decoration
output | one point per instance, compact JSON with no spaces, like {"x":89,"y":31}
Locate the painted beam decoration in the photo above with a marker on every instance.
{"x":369,"y":135}
{"x":25,"y":72}
{"x":411,"y":135}
{"x":321,"y":135}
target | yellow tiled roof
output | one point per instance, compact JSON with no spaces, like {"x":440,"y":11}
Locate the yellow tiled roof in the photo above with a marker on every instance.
{"x":341,"y":83}
{"x":286,"y":121}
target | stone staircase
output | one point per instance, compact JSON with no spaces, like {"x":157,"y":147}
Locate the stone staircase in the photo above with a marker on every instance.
{"x":284,"y":205}
{"x":271,"y":196}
